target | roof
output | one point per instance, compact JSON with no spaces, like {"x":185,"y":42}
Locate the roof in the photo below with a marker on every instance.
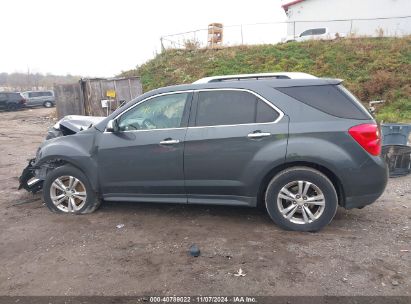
{"x":287,"y":5}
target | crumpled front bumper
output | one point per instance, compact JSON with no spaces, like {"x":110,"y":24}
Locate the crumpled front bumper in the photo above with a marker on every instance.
{"x":28,"y":179}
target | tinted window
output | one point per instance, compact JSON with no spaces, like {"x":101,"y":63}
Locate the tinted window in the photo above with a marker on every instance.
{"x":156,"y":113}
{"x":306,"y":33}
{"x":265,"y":113}
{"x":14,"y":96}
{"x":39,"y":94}
{"x":232,"y":108}
{"x":319,"y":31}
{"x":328,"y":98}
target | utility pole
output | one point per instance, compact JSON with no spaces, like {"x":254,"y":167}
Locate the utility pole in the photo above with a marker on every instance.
{"x":162,"y":45}
{"x":28,"y":78}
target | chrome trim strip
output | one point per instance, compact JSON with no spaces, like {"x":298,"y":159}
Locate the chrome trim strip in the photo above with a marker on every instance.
{"x":169,"y":142}
{"x":280,"y":113}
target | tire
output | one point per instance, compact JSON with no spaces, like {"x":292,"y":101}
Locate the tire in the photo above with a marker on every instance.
{"x":48,"y":104}
{"x":86,"y":200}
{"x":12,"y":107}
{"x":320,"y":199}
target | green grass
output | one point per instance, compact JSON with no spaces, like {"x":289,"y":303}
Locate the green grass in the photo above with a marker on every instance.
{"x":372,"y":68}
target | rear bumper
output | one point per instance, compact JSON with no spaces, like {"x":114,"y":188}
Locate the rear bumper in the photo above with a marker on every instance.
{"x":361,"y":201}
{"x":366,"y":184}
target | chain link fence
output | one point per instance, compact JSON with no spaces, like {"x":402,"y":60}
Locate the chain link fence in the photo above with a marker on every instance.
{"x":275,"y":32}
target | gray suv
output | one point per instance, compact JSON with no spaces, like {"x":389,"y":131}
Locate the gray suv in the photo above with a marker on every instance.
{"x":298,"y":147}
{"x":39,"y":98}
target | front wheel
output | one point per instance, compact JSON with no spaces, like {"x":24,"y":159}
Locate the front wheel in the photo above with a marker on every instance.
{"x":67,"y":190}
{"x":301,"y":199}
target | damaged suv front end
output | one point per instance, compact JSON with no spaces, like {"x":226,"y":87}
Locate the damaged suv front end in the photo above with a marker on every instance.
{"x":35,"y":172}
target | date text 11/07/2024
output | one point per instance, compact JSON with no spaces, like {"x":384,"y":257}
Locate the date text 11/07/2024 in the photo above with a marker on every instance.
{"x":203,"y":299}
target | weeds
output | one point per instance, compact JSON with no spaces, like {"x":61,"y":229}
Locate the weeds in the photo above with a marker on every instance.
{"x":372,"y":68}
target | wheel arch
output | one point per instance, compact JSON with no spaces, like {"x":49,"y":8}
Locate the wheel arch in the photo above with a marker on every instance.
{"x":52,"y":162}
{"x":327,"y":172}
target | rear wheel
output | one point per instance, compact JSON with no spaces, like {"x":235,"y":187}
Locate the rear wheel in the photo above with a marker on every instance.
{"x":301,"y":199}
{"x":67,"y":190}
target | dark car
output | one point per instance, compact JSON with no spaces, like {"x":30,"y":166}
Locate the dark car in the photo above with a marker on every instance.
{"x":299,"y":147}
{"x":11,"y":101}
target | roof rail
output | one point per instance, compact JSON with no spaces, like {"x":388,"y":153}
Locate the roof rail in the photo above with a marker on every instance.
{"x":279,"y":75}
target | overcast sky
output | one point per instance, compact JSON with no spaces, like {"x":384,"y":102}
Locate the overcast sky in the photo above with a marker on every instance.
{"x":104,"y":37}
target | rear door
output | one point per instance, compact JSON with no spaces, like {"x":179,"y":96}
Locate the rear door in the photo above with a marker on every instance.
{"x":234,"y":137}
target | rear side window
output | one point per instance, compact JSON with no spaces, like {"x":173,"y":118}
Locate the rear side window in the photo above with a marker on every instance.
{"x":306,"y":33}
{"x":319,"y":31}
{"x":14,"y":96}
{"x":232,"y":108}
{"x":330,"y":99}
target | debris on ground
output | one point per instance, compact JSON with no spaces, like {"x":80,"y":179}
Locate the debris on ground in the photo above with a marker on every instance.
{"x":27,"y":201}
{"x":345,"y":280}
{"x":240,"y":273}
{"x":119,"y":226}
{"x":395,"y":283}
{"x":194,"y":250}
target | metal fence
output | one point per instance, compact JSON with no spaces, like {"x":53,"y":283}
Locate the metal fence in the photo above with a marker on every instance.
{"x":275,"y":32}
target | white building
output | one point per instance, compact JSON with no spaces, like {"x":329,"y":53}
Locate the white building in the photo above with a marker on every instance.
{"x":387,"y":17}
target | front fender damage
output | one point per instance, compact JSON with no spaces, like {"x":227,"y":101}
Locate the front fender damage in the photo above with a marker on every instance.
{"x":33,"y":175}
{"x":77,"y":150}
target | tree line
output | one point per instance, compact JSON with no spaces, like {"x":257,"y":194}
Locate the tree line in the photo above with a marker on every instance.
{"x":33,"y":81}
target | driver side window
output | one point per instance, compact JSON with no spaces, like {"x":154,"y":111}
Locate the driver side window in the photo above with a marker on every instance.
{"x":160,"y":112}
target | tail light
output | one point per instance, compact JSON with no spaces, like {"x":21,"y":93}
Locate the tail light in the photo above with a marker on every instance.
{"x":368,"y":136}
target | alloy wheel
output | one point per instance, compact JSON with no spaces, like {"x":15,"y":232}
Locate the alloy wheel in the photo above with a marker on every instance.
{"x":301,"y":202}
{"x":68,"y":193}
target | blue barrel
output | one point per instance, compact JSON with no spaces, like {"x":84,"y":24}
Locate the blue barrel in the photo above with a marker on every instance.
{"x":395,"y":134}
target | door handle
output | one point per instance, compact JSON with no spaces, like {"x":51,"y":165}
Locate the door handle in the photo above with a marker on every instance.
{"x":169,"y":141}
{"x":258,"y":135}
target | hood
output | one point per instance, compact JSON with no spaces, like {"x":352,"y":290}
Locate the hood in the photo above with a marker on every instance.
{"x":77,"y":123}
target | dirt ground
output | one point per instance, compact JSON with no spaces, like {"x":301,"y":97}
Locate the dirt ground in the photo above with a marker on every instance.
{"x":362,"y":252}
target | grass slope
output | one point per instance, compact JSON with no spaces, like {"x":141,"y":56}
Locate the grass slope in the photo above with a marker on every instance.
{"x":372,"y":68}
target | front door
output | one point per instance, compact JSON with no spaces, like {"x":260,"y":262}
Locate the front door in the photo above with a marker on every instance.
{"x":143,"y":161}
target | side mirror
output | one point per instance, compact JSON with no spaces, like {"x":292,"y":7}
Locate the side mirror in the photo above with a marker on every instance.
{"x":112,"y":126}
